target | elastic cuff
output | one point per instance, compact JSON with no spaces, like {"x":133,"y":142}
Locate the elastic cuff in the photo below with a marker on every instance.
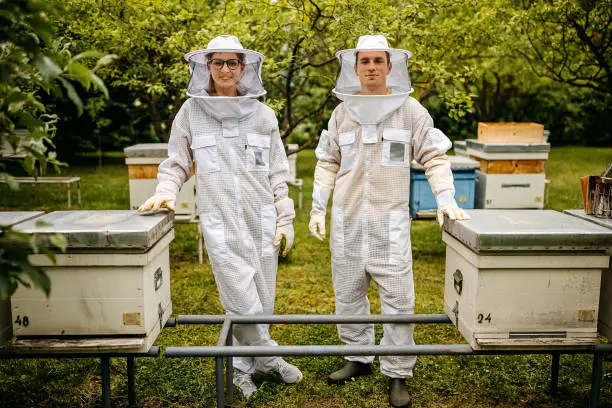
{"x":444,"y":197}
{"x":320,"y":198}
{"x":167,"y":188}
{"x":285,"y":212}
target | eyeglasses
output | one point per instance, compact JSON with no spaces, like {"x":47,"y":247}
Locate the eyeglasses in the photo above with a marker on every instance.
{"x":232,"y":64}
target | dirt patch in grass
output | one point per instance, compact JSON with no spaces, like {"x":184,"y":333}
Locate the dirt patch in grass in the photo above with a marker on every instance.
{"x":323,"y":402}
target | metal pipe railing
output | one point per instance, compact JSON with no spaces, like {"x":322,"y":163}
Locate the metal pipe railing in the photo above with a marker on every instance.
{"x":314,"y":319}
{"x":154,"y":351}
{"x":228,"y":351}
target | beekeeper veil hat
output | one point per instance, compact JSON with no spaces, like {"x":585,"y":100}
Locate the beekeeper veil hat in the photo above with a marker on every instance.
{"x":398,"y":79}
{"x":200,"y":84}
{"x":369,"y":110}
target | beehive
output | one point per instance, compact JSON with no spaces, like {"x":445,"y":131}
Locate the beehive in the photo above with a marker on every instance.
{"x":143,"y":161}
{"x":422,"y":201}
{"x":112,"y":282}
{"x":524,"y":278}
{"x":510,"y":175}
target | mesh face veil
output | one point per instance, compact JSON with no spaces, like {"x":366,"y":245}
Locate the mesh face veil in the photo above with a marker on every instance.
{"x":372,"y":109}
{"x":201,"y":82}
{"x":398,"y":79}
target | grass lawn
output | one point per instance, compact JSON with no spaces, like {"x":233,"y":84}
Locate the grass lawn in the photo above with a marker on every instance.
{"x":304,"y":286}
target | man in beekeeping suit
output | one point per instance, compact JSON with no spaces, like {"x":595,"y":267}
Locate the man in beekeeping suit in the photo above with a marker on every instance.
{"x":364,"y":158}
{"x":242,"y":194}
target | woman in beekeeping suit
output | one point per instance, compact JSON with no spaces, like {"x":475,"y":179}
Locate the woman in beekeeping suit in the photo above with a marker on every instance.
{"x":241,"y":173}
{"x":364,"y":158}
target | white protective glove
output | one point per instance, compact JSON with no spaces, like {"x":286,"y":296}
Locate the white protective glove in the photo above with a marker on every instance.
{"x":317,"y":221}
{"x":287,"y":232}
{"x":447,"y":205}
{"x":158,"y":201}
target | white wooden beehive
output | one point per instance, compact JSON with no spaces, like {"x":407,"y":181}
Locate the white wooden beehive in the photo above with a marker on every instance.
{"x":114,"y":279}
{"x":8,"y":219}
{"x":142,"y":161}
{"x":508,"y":191}
{"x":524,"y":278}
{"x":605,"y":296}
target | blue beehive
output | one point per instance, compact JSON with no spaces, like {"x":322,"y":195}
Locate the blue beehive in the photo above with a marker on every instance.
{"x":422,"y":200}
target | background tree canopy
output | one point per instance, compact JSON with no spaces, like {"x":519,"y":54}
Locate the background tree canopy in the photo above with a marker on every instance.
{"x":475,"y":60}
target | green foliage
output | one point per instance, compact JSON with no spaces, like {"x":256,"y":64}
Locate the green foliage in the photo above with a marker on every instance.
{"x":14,"y":250}
{"x":569,"y":41}
{"x":32,"y":65}
{"x":299,"y":39}
{"x":473,"y":60}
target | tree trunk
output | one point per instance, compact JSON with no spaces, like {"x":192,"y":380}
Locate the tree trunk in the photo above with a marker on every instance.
{"x":156,"y":120}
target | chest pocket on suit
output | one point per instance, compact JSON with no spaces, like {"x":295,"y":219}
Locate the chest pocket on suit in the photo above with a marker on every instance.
{"x":258,"y":152}
{"x":396,"y":147}
{"x":348,"y":150}
{"x":205,"y":154}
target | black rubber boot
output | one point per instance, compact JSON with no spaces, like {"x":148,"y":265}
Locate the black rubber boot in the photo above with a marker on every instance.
{"x":398,"y":394}
{"x":350,"y":371}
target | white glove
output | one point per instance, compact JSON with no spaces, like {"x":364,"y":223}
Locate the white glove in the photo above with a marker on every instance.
{"x":453,"y":211}
{"x":317,"y":221}
{"x":447,"y":205}
{"x":287,"y":232}
{"x":158,"y":201}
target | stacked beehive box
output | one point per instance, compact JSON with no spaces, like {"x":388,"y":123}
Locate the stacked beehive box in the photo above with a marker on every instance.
{"x":513,"y":159}
{"x":524,"y":278}
{"x":10,"y":219}
{"x":110,"y":290}
{"x":142,"y":161}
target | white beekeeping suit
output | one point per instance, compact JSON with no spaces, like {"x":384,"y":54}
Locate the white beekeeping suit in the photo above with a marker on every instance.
{"x":242,"y":196}
{"x":364,"y":158}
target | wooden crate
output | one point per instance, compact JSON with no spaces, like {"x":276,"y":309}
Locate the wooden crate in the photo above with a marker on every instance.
{"x":511,"y":166}
{"x":510,"y":132}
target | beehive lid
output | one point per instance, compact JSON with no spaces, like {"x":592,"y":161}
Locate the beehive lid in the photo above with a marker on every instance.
{"x":9,"y":218}
{"x":107,"y":229}
{"x":457,"y":163}
{"x":528,"y":230}
{"x":604,"y":222}
{"x":147,"y":150}
{"x":459,"y":145}
{"x":507,"y":147}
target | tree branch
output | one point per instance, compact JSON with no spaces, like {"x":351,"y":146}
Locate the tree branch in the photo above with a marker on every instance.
{"x":288,"y":122}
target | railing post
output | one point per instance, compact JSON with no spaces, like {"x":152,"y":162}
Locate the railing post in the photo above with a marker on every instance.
{"x":131,"y":382}
{"x":596,"y":378}
{"x":106,"y":398}
{"x":229,"y":367}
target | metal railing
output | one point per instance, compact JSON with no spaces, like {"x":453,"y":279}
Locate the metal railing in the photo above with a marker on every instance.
{"x":13,"y":353}
{"x":225,"y":350}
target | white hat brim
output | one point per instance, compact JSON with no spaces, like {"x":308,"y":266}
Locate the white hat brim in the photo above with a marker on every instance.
{"x":396,"y":51}
{"x":200,"y":55}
